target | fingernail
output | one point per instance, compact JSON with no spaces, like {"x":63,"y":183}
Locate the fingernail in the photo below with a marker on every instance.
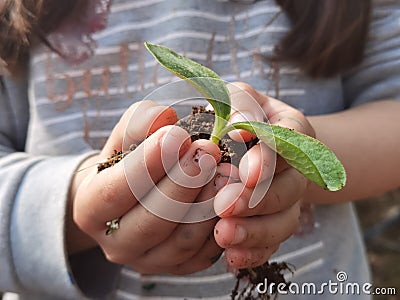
{"x":224,"y":208}
{"x":240,"y":235}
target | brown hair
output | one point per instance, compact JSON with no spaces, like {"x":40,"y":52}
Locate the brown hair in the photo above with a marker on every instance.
{"x":327,"y":36}
{"x":22,"y":22}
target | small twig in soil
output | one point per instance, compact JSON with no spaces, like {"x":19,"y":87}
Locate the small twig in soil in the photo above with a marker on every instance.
{"x":115,"y":158}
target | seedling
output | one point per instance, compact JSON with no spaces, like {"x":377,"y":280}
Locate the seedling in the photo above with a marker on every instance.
{"x":309,"y":156}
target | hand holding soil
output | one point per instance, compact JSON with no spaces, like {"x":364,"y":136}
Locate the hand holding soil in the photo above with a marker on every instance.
{"x":251,"y":235}
{"x":165,"y":163}
{"x":149,"y":243}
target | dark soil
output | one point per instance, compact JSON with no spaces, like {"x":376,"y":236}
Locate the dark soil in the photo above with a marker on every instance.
{"x":269,"y":273}
{"x":199,"y":124}
{"x":112,"y":160}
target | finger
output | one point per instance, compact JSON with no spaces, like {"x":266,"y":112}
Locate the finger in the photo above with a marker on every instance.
{"x":245,"y":104}
{"x":240,"y":258}
{"x":138,"y":122}
{"x":244,"y":98}
{"x":187,"y":239}
{"x":282,"y":114}
{"x":108,"y":195}
{"x":149,"y":224}
{"x":186,"y":179}
{"x":258,"y":231}
{"x":205,"y":258}
{"x":203,"y":208}
{"x":248,"y":101}
{"x":257,"y":165}
{"x":286,"y":188}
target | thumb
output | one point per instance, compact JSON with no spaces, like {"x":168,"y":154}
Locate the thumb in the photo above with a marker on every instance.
{"x":245,"y":107}
{"x":138,"y":122}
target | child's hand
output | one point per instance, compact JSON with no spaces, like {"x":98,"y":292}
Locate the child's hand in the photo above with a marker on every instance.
{"x":144,"y":240}
{"x":251,"y":236}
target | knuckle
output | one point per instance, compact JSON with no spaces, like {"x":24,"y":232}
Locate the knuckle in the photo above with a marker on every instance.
{"x":185,"y":236}
{"x":145,"y":230}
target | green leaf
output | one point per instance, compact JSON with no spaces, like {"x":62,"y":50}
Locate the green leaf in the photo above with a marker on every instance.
{"x":308,"y":155}
{"x":206,"y":81}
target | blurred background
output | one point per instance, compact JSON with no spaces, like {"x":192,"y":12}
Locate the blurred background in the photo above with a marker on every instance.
{"x":380,"y":221}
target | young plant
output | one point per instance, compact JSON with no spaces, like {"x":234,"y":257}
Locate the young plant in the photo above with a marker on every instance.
{"x":307,"y":155}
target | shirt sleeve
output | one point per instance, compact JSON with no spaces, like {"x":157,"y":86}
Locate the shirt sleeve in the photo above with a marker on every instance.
{"x":34,"y":192}
{"x":378,"y":77}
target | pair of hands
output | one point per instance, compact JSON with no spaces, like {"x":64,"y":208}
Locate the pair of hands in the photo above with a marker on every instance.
{"x":154,"y":245}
